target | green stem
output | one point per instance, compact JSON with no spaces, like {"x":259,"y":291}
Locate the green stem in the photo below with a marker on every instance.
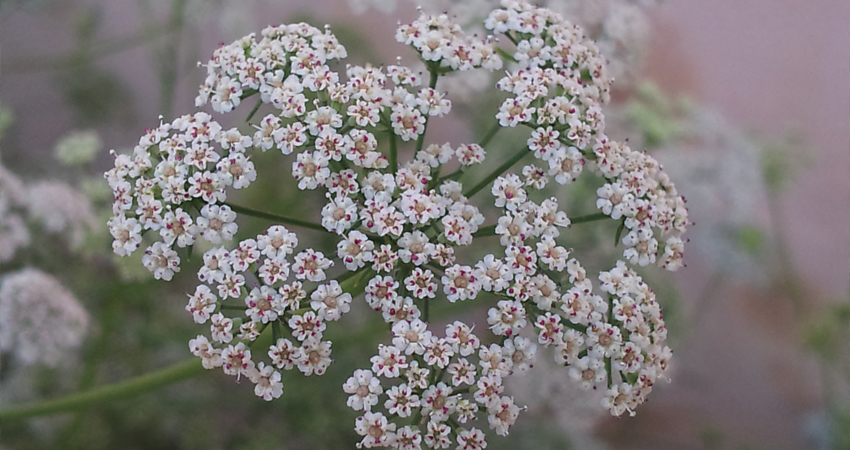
{"x":495,"y":174}
{"x":489,"y":230}
{"x":588,"y":218}
{"x":125,"y":389}
{"x":394,"y":151}
{"x":490,"y":134}
{"x":286,"y":220}
{"x":254,"y":111}
{"x":505,"y":54}
{"x":180,"y":371}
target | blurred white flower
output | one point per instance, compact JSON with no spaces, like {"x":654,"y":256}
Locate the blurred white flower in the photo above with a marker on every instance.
{"x":40,"y":320}
{"x":78,"y":148}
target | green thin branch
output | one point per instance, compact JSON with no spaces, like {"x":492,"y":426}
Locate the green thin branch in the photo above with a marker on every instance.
{"x":588,"y":218}
{"x":490,"y":134}
{"x":393,"y":151}
{"x":495,"y":174}
{"x":282,"y":219}
{"x":489,"y":230}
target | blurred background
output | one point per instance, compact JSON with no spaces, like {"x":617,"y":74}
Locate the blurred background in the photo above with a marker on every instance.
{"x":745,"y":102}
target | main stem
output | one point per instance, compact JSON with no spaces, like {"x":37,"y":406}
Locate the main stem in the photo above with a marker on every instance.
{"x":266,"y":215}
{"x":121,"y":390}
{"x":352,"y":282}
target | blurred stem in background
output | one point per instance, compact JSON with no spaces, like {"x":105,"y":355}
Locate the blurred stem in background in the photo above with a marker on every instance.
{"x":168,"y":53}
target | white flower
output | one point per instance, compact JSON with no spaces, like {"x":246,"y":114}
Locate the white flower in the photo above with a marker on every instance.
{"x":415,"y":248}
{"x":307,"y":326}
{"x":472,"y":439}
{"x":521,"y":260}
{"x":178,"y":227}
{"x":207,"y":186}
{"x":311,"y":169}
{"x":277,"y":241}
{"x":231,"y":285}
{"x":311,"y":265}
{"x":436,"y":154}
{"x":380,"y":290}
{"x":551,"y":254}
{"x":236,"y":360}
{"x":588,"y":371}
{"x":338,"y":214}
{"x":236,"y":170}
{"x":201,"y":304}
{"x":126,"y":234}
{"x":266,"y":381}
{"x":642,"y":247}
{"x":401,"y":400}
{"x":356,"y":250}
{"x":421,"y":283}
{"x":330,"y":302}
{"x":317,"y":357}
{"x":274,"y":270}
{"x":407,"y":122}
{"x":544,"y":143}
{"x":388,"y":362}
{"x":566,"y":165}
{"x":375,"y":429}
{"x":508,"y":192}
{"x":264,"y":304}
{"x":162,"y":261}
{"x":411,"y":336}
{"x":502,"y":413}
{"x":433,"y":103}
{"x":210,"y":356}
{"x":399,"y":309}
{"x":217,"y":222}
{"x":507,"y":319}
{"x":461,"y":372}
{"x":520,"y":351}
{"x":460,"y":283}
{"x":385,"y":259}
{"x":285,"y":355}
{"x":364,"y":389}
{"x":469,"y":154}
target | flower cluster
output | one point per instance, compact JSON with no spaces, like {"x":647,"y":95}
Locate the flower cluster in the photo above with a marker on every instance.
{"x":437,"y":387}
{"x":173,"y":185}
{"x":440,"y":40}
{"x":558,"y":88}
{"x":397,"y":224}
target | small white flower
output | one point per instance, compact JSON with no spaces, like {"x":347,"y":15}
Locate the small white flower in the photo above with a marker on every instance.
{"x":460,"y":283}
{"x":311,"y":265}
{"x":217,"y":222}
{"x":264,"y":304}
{"x":162,"y":261}
{"x":285,"y":355}
{"x":355,"y":250}
{"x":330,"y":302}
{"x":277,"y":241}
{"x":210,"y":356}
{"x":339,"y":214}
{"x":201,"y":304}
{"x":364,"y":388}
{"x":507,"y":319}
